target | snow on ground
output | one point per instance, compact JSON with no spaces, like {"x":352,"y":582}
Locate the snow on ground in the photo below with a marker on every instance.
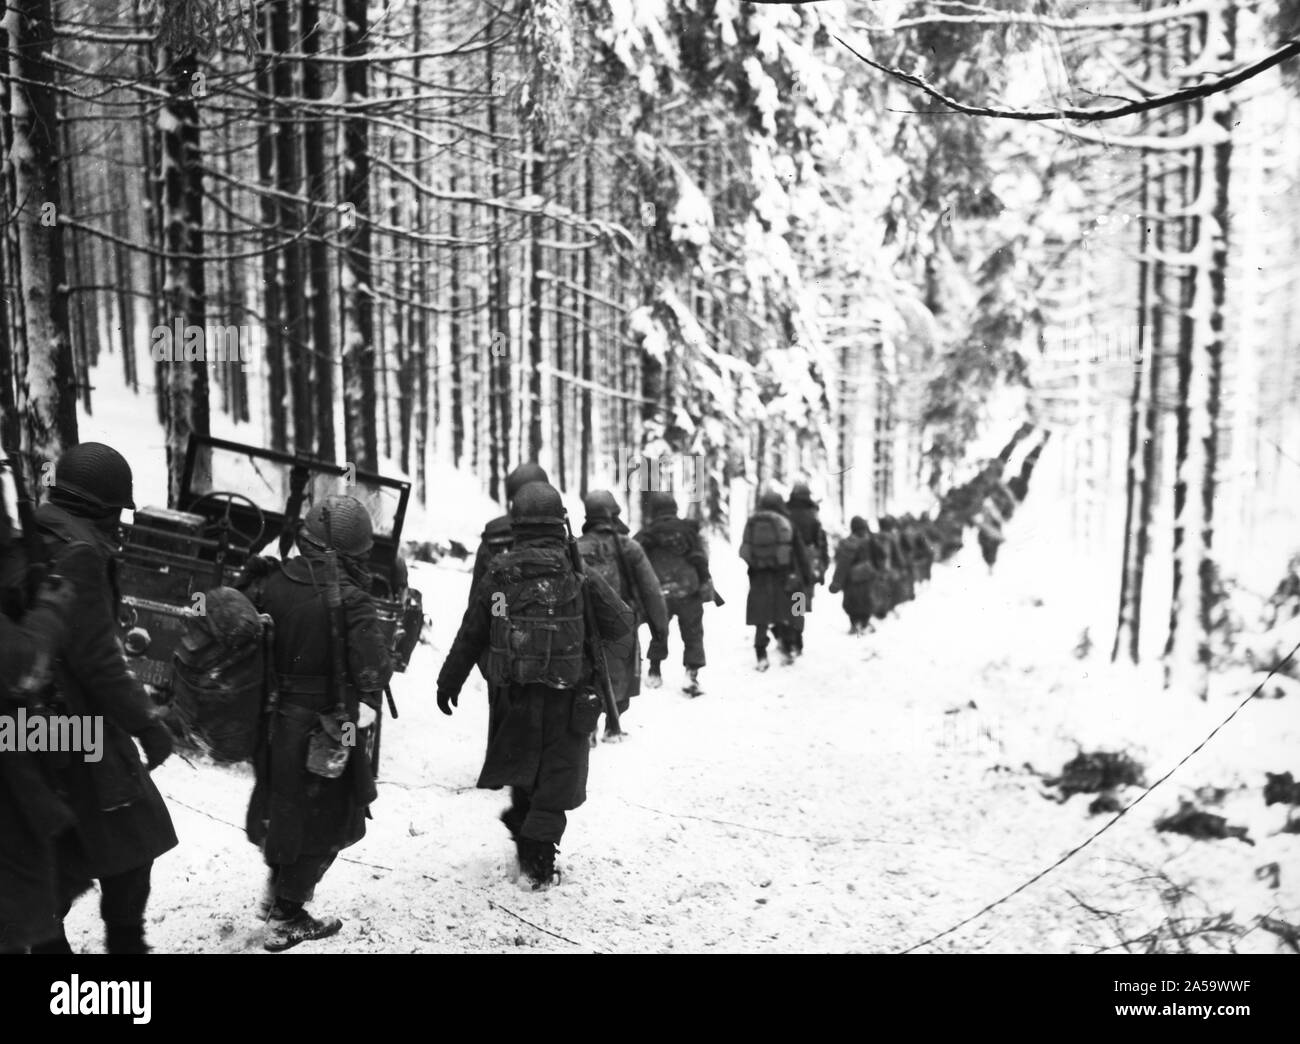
{"x":864,"y":799}
{"x":869,"y":796}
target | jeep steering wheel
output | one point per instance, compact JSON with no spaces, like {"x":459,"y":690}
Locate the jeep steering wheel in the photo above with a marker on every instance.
{"x":224,"y":523}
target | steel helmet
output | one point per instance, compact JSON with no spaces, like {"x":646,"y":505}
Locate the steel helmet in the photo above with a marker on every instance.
{"x":661,"y":504}
{"x":601,"y":506}
{"x":537,"y":504}
{"x":522,"y":475}
{"x":339,"y":523}
{"x":96,"y":474}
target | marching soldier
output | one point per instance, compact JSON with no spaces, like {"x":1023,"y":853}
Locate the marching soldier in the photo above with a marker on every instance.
{"x":530,"y":613}
{"x":779,"y":576}
{"x":854,"y":571}
{"x":496,"y":534}
{"x":679,"y":556}
{"x":989,"y":522}
{"x":313,"y":783}
{"x":619,"y":561}
{"x":802,"y":511}
{"x":34,"y":820}
{"x":122,"y":824}
{"x":901,"y":577}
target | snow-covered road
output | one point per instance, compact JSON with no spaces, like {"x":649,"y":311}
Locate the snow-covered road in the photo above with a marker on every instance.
{"x":864,"y":799}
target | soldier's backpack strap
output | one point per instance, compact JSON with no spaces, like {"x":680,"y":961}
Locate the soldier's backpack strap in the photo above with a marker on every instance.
{"x":633,"y":599}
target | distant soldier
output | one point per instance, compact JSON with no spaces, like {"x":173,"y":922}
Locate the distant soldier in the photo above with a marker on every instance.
{"x":496,"y":534}
{"x":679,"y":556}
{"x":929,"y":532}
{"x":779,"y":575}
{"x":900,"y":569}
{"x":1018,"y":485}
{"x":530,"y":613}
{"x":916,"y":547}
{"x":884,"y":591}
{"x":989,"y":522}
{"x":854,"y":571}
{"x":802,"y":510}
{"x":619,"y":560}
{"x":1284,"y":603}
{"x":313,"y":783}
{"x":122,"y":823}
{"x":948,"y":532}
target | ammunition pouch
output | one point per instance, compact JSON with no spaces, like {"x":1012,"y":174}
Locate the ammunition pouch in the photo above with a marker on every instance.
{"x":307,"y":698}
{"x":327,"y":754}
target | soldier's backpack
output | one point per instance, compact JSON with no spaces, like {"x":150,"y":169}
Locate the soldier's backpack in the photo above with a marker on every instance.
{"x":219,"y":675}
{"x":537,"y":633}
{"x":600,"y":556}
{"x":671,"y":544}
{"x":768,"y":542}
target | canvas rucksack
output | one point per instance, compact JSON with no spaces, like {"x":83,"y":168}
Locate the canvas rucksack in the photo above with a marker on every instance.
{"x":670,"y":544}
{"x":768,"y":541}
{"x":538,"y":633}
{"x":600,"y":556}
{"x":219,"y":679}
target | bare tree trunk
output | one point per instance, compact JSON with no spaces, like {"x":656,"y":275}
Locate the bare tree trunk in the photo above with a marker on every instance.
{"x":419,"y":279}
{"x":585,"y":435}
{"x":12,"y":347}
{"x":358,"y":293}
{"x":560,"y":264}
{"x":150,"y":161}
{"x":124,"y":271}
{"x":499,"y":308}
{"x":1137,"y":481}
{"x":1182,"y":664}
{"x":84,"y":348}
{"x":182,"y":182}
{"x":457,"y":326}
{"x":288,"y":182}
{"x":537,"y":170}
{"x":319,"y":298}
{"x":47,"y":382}
{"x":277,"y":392}
{"x":1222,"y":113}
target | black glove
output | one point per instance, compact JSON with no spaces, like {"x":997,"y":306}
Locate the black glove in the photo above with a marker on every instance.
{"x":447,"y":700}
{"x":706,"y":591}
{"x":157,"y":743}
{"x":256,"y":569}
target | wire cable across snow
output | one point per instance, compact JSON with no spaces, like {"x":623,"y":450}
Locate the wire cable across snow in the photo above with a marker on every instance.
{"x":1109,"y":823}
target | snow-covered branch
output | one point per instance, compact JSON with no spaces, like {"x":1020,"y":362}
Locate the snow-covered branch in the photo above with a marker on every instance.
{"x":1185,"y":94}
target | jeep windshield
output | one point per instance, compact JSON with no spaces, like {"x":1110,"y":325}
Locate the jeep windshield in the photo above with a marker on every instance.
{"x":222,"y":475}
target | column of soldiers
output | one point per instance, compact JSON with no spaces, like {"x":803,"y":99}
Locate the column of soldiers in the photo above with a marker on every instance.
{"x":879,"y":571}
{"x":552,"y":623}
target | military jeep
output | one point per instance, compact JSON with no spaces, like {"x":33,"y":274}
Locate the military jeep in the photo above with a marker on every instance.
{"x":237,"y":501}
